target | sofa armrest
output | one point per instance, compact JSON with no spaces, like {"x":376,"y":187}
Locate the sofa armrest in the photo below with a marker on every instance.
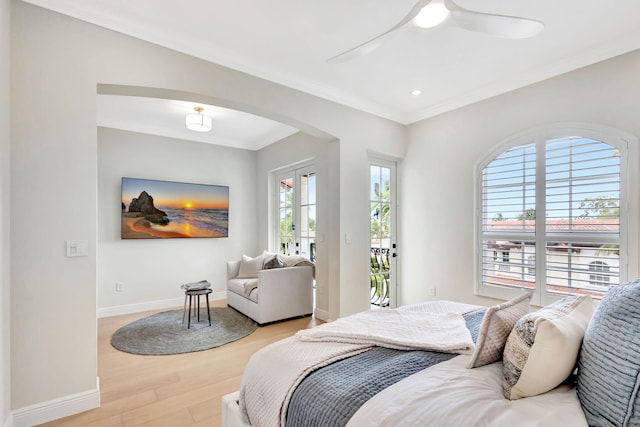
{"x":233,"y":268}
{"x":281,"y":284}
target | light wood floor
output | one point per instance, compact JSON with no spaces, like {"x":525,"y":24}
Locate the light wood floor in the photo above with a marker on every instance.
{"x":173,"y":391}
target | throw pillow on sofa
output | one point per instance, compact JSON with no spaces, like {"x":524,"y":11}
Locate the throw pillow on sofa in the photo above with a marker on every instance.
{"x":273,"y":263}
{"x":267,"y":257}
{"x":609,"y":364}
{"x":249,"y":267}
{"x":542,"y":350}
{"x":497,"y":324}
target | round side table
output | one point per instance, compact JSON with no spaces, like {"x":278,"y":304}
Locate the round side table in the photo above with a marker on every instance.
{"x":197,"y":293}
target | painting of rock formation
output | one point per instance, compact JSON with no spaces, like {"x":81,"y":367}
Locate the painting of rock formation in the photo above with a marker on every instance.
{"x":154,"y":209}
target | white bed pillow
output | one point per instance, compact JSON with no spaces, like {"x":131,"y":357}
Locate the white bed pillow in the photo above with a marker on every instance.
{"x":496,"y":326}
{"x":542,"y":350}
{"x":249,"y":267}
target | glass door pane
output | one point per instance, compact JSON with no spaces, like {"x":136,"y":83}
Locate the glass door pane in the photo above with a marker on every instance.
{"x":307,"y":221}
{"x":285,"y":214}
{"x":297,"y":212}
{"x":382,"y":247}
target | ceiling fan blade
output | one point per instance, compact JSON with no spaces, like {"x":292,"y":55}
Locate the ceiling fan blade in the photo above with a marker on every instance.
{"x":510,"y":27}
{"x":361,"y":50}
{"x":374,"y":43}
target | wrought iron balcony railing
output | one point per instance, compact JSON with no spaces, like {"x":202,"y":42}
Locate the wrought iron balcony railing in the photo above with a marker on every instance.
{"x":380,"y":285}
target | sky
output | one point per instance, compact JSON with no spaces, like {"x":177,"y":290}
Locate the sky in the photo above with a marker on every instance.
{"x":177,"y":194}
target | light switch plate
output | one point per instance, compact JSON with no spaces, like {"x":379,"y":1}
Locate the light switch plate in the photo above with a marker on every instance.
{"x":77,"y":248}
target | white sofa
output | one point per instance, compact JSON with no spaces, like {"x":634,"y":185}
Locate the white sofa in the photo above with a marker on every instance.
{"x":274,"y":294}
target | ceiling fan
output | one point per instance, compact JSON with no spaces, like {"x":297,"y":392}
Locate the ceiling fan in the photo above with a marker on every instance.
{"x":430,"y":13}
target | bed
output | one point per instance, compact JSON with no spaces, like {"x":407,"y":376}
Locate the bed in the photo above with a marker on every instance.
{"x":519,"y":370}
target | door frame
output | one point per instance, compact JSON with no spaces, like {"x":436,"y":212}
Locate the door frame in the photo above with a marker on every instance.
{"x":392,"y":165}
{"x":295,"y":172}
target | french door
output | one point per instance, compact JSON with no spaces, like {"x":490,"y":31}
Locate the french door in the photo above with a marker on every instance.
{"x":383,"y":255}
{"x":296,"y":205}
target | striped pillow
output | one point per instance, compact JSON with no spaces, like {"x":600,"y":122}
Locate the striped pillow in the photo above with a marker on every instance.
{"x":609,"y":364}
{"x":542,"y":350}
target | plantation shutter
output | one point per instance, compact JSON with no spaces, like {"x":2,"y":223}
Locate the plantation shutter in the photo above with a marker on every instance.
{"x":550,"y":217}
{"x":582,"y":216}
{"x":508,"y":218}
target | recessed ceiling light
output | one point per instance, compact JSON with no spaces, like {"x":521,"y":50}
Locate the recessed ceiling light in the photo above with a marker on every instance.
{"x":416,"y":92}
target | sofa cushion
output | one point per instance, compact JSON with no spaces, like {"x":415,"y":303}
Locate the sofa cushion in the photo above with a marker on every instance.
{"x":249,"y":267}
{"x":244,"y":287}
{"x":496,"y":326}
{"x":609,"y":364}
{"x":542,"y":350}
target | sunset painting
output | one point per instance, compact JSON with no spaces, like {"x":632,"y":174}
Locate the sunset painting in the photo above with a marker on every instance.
{"x":161,"y":209}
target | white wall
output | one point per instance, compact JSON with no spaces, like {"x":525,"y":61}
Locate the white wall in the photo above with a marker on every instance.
{"x":5,"y":134}
{"x":292,"y":150}
{"x":438,"y":170}
{"x":54,"y":181}
{"x":152,"y":270}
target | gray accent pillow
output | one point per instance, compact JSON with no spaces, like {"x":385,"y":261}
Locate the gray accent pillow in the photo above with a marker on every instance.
{"x":609,"y":363}
{"x":274,"y":262}
{"x":496,"y":326}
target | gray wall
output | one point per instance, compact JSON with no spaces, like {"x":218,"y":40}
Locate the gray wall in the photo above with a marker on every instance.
{"x":5,"y":134}
{"x":152,"y":270}
{"x":443,"y":152}
{"x":54,"y":180}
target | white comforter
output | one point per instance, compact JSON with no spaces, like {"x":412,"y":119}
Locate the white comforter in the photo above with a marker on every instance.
{"x":448,"y":394}
{"x":273,"y":373}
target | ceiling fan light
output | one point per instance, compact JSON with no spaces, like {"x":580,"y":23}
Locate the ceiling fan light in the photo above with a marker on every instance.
{"x":432,"y":14}
{"x":198,"y":122}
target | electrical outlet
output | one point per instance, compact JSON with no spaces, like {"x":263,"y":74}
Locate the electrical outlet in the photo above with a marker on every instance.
{"x":119,"y":287}
{"x":432,"y":292}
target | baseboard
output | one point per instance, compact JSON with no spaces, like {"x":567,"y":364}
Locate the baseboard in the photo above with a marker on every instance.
{"x":321,"y":314}
{"x":9,"y":421}
{"x":151,"y":305}
{"x":57,"y":408}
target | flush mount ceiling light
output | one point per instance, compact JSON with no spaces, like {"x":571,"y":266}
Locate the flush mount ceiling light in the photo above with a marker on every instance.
{"x":198,"y":122}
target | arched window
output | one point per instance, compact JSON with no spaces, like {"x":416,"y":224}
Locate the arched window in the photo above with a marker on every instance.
{"x":559,"y":199}
{"x":599,"y":273}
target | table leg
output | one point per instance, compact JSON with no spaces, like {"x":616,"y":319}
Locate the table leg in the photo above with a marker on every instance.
{"x":208,"y":310}
{"x":198,"y":308}
{"x":189,"y":321}
{"x":184,"y":308}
